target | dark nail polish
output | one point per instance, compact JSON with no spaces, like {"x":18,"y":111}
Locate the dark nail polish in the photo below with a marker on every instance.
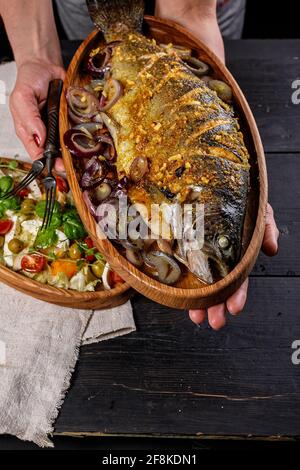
{"x":37,"y":139}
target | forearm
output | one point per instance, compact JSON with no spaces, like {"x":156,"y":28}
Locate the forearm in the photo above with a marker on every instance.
{"x":198,"y":16}
{"x":178,"y":9}
{"x":31,"y":30}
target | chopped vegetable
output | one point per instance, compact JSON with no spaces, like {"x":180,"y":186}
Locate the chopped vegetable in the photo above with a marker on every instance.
{"x":45,"y":238}
{"x":89,"y":249}
{"x":223,"y":90}
{"x":15,"y":245}
{"x":75,"y":251}
{"x":97,"y":268}
{"x":5,"y":226}
{"x":67,"y":267}
{"x":33,"y":263}
{"x":41,"y":206}
{"x":6,"y":184}
{"x":11,"y":203}
{"x":72,"y":226}
{"x":28,"y":206}
{"x":62,"y":184}
{"x":24,"y":193}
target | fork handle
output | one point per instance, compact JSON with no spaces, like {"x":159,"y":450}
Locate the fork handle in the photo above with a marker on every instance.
{"x":53,"y":100}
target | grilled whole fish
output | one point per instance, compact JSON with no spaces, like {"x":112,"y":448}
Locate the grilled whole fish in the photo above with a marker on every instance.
{"x":189,"y":136}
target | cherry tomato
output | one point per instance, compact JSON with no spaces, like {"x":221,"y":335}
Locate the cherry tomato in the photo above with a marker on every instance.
{"x":24,"y":193}
{"x":114,"y":278}
{"x":67,"y":267}
{"x":62,"y":184}
{"x":5,"y":226}
{"x":34,"y":263}
{"x":89,"y":242}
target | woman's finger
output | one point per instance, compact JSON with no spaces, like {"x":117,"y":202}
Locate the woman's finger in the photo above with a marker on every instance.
{"x":28,"y":123}
{"x":197,"y":316}
{"x":270,"y":241}
{"x":30,"y":144}
{"x":236,"y":302}
{"x":216,"y":316}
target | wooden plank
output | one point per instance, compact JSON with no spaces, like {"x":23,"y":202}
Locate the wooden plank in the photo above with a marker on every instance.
{"x":284,"y":195}
{"x":265,"y":71}
{"x":175,"y":378}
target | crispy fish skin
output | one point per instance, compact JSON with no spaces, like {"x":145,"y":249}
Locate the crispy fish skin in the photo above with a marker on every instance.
{"x":191,"y":139}
{"x":170,"y":116}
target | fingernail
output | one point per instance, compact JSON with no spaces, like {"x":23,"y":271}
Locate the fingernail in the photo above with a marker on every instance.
{"x":37,"y":139}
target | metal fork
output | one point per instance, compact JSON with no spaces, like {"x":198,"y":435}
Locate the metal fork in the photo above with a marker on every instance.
{"x":36,"y":169}
{"x":51,"y":148}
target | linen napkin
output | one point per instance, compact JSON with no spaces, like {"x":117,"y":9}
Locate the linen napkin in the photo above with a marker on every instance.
{"x":39,"y":342}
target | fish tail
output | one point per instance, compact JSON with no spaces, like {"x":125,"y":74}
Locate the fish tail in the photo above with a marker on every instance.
{"x":113,"y":17}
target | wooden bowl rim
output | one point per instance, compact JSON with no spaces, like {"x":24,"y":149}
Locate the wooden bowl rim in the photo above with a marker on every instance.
{"x":134,"y":276}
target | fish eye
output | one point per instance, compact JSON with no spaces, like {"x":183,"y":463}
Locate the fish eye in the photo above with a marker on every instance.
{"x":223,"y":242}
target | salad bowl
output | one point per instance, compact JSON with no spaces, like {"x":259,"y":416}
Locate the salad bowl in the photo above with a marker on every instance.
{"x":27,"y":280}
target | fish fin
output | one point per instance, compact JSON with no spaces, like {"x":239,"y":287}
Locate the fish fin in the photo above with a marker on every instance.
{"x":113,"y":17}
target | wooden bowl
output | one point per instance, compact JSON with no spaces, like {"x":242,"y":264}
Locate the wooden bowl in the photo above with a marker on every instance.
{"x":64,"y":297}
{"x":189,"y":292}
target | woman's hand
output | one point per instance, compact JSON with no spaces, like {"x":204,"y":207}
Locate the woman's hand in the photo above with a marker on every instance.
{"x":197,"y":16}
{"x":27,"y":100}
{"x":235,"y":304}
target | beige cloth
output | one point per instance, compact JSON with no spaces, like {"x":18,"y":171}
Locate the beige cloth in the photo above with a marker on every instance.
{"x":39,"y":342}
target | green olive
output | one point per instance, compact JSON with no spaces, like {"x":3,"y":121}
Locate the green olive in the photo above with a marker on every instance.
{"x":27,"y":206}
{"x":15,"y":246}
{"x":74,"y":251}
{"x":97,"y":269}
{"x":2,"y":239}
{"x":223,"y":90}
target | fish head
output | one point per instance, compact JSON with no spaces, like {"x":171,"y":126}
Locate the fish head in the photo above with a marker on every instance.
{"x":212,"y":256}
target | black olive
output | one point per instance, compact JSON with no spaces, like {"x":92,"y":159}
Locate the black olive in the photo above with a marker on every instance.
{"x":179,"y":171}
{"x":167,"y":193}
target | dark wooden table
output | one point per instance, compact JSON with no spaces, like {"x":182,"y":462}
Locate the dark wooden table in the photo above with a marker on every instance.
{"x":171,"y":378}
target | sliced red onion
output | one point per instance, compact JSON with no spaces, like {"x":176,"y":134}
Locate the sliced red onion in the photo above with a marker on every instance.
{"x":165,"y":246}
{"x":98,"y":64}
{"x":93,"y":175}
{"x":77,"y":119}
{"x":109,"y":153}
{"x":89,"y":127}
{"x":196,"y":66}
{"x":168,"y":271}
{"x":89,"y":203}
{"x":82,"y":103}
{"x":111,"y":126}
{"x":134,"y":257}
{"x":118,"y":91}
{"x":80,"y":145}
